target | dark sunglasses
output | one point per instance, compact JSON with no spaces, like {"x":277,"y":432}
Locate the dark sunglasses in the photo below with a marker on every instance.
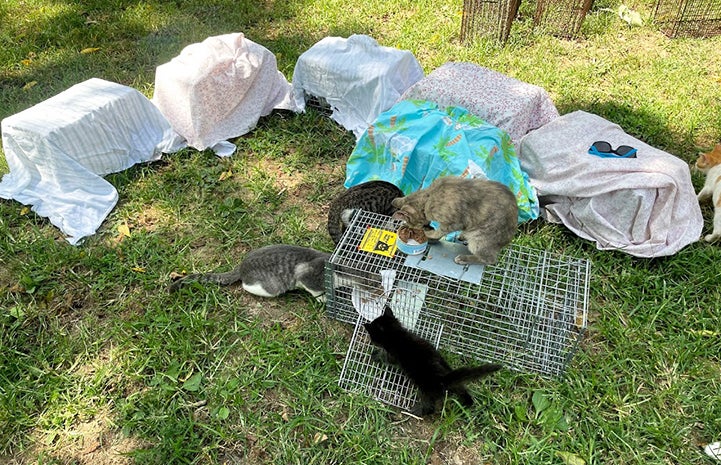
{"x":603,"y":149}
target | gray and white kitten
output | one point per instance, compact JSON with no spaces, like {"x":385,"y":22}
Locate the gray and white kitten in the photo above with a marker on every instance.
{"x":372,"y":196}
{"x":271,"y":271}
{"x":484,"y":211}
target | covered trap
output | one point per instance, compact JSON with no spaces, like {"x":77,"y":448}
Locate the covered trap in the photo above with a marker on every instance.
{"x":527,"y":312}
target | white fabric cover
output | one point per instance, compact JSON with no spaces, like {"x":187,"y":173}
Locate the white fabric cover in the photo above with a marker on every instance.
{"x":219,"y":88}
{"x":645,"y":206}
{"x":356,"y":76}
{"x":505,"y":102}
{"x":58,"y":150}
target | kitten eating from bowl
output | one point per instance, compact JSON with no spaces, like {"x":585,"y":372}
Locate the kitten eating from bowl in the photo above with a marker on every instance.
{"x":484,"y":211}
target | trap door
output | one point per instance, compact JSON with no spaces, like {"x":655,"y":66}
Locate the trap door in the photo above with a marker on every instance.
{"x":382,"y":381}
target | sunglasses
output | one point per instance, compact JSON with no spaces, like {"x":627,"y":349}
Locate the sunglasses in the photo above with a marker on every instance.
{"x":603,"y":149}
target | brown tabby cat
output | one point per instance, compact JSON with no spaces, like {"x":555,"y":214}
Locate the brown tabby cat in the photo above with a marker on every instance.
{"x":710,"y":163}
{"x":484,"y":211}
{"x":372,"y":196}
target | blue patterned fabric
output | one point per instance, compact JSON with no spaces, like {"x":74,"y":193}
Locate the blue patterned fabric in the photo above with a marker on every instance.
{"x":415,"y":142}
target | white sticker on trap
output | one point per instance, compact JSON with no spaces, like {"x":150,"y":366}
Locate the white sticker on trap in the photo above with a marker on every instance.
{"x":369,"y":303}
{"x":407,"y":302}
{"x":438,"y":259}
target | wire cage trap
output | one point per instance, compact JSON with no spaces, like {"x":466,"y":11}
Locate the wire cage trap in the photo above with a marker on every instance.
{"x":562,"y":18}
{"x":386,"y":383}
{"x":488,"y":18}
{"x":688,"y":18}
{"x":527,"y":312}
{"x":320,"y":104}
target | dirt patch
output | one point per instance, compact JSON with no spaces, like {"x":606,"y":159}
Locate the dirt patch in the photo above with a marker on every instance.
{"x":450,"y":450}
{"x":93,"y":441}
{"x":322,"y":181}
{"x":269,"y":312}
{"x":454,"y":455}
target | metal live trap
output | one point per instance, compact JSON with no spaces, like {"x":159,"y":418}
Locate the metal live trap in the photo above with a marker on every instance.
{"x":527,"y":312}
{"x":688,"y":18}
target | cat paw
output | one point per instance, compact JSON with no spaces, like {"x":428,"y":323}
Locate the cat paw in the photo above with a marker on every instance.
{"x":433,"y":234}
{"x":712,"y":237}
{"x":471,"y":260}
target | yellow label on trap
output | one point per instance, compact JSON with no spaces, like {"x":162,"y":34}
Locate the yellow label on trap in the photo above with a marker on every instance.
{"x":379,"y":241}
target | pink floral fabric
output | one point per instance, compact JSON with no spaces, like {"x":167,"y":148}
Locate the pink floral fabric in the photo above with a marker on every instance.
{"x":505,"y":102}
{"x":219,"y":88}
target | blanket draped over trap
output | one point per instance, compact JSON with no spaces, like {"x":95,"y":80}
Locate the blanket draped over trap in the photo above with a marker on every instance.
{"x":219,"y":88}
{"x":645,"y":206}
{"x":58,"y":150}
{"x":357,"y":78}
{"x":512,"y":105}
{"x":415,"y":142}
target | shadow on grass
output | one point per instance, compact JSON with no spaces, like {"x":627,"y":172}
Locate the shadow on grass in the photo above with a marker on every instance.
{"x":130,"y":39}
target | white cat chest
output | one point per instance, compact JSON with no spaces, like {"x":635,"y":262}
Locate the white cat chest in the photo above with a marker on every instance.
{"x":527,"y":312}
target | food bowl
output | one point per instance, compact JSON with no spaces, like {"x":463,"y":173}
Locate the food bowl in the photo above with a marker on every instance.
{"x":411,"y":241}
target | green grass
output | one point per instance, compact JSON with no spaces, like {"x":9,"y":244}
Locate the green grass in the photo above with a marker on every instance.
{"x":99,"y":363}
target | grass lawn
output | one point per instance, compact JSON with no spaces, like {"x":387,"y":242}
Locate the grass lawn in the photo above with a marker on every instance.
{"x":100,"y":365}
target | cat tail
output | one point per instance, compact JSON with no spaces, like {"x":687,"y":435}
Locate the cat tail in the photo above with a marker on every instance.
{"x":222,"y":279}
{"x":465,"y":374}
{"x":335,"y":227}
{"x":338,"y":221}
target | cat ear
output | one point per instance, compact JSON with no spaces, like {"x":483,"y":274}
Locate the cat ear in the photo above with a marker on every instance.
{"x":387,"y":311}
{"x":400,"y":215}
{"x":701,"y":160}
{"x":398,"y":202}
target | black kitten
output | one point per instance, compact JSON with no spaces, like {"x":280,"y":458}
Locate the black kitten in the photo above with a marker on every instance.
{"x":371,"y":196}
{"x":422,"y":363}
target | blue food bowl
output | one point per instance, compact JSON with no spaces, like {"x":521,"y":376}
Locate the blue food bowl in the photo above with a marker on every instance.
{"x":411,"y":247}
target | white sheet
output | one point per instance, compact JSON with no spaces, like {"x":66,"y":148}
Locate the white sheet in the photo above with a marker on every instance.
{"x":58,"y":150}
{"x":219,"y":88}
{"x":358,"y":78}
{"x":644,"y":206}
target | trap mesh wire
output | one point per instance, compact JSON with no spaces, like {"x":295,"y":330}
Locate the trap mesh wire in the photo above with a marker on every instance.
{"x":688,"y":18}
{"x":528,"y":312}
{"x":561,"y":17}
{"x":384,"y":382}
{"x":320,"y":104}
{"x":488,"y":18}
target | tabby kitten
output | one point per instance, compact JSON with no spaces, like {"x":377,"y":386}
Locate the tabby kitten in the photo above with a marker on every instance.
{"x":372,"y":196}
{"x":271,"y":271}
{"x":422,"y":363}
{"x":710,"y":164}
{"x":484,"y":211}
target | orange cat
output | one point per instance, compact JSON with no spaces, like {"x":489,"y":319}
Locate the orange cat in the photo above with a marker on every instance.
{"x":710,"y":163}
